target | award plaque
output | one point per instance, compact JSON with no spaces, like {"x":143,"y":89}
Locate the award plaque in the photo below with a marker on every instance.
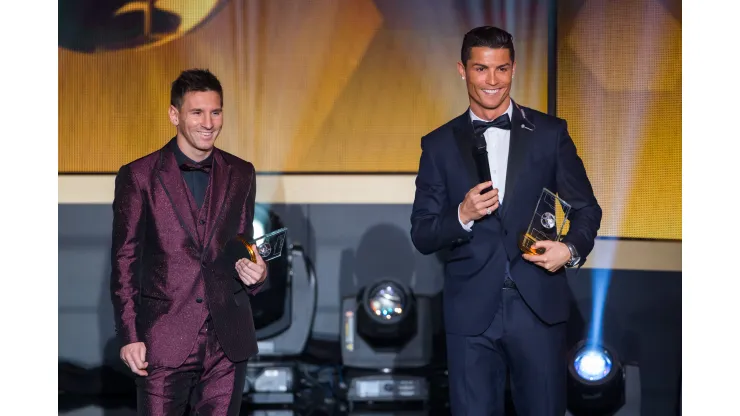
{"x":548,"y":221}
{"x":269,"y":246}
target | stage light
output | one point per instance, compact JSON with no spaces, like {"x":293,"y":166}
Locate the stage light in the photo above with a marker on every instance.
{"x":283,"y":312}
{"x":271,"y":306}
{"x":387,"y":320}
{"x":386,"y":302}
{"x":386,"y":326}
{"x":596,"y":380}
{"x":593,"y":364}
{"x":270,"y":384}
{"x":258,"y":227}
{"x":265,"y":220}
{"x":274,"y":379}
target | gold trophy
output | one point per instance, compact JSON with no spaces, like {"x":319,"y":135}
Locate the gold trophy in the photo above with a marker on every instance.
{"x":548,"y":222}
{"x":269,"y":246}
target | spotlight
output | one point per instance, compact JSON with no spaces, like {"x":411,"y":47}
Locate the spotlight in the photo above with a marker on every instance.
{"x":270,"y":384}
{"x":273,"y":380}
{"x":282,"y":321}
{"x":386,"y":302}
{"x":593,"y":365}
{"x":389,"y":318}
{"x":259,"y":225}
{"x":386,"y":326}
{"x":283,"y":312}
{"x":271,"y":306}
{"x":386,"y":331}
{"x":596,"y":380}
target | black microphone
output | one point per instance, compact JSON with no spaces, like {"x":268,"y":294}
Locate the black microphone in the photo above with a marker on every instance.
{"x":480,"y":156}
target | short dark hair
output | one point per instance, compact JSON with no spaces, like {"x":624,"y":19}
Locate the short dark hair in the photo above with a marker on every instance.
{"x":194,"y":80}
{"x":488,"y":37}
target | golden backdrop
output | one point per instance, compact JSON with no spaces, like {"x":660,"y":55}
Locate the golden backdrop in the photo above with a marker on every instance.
{"x":309,"y":86}
{"x":351,"y":86}
{"x":619,"y":87}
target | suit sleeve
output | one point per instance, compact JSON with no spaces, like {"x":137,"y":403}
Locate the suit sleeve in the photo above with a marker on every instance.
{"x":434,"y":221}
{"x":575,"y":188}
{"x":246,"y":228}
{"x":127,"y":240}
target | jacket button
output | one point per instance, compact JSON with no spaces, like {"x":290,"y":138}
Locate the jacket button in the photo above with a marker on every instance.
{"x":202,"y":222}
{"x":199,"y":300}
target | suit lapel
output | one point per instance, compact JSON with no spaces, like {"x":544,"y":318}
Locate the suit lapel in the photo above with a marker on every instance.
{"x":174,"y":186}
{"x":219,"y":185}
{"x":522,"y":131}
{"x":464,"y":140}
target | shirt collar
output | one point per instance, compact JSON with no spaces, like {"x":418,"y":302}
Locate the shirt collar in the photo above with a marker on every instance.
{"x":181,"y":158}
{"x":509,"y":111}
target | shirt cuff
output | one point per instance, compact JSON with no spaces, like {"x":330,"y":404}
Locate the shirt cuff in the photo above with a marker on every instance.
{"x":467,"y":227}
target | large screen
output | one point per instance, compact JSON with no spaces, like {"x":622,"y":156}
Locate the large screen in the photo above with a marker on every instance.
{"x":309,"y":86}
{"x":619,"y":88}
{"x":351,"y":86}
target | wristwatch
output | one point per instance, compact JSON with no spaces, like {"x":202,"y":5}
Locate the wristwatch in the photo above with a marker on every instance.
{"x":574,"y":257}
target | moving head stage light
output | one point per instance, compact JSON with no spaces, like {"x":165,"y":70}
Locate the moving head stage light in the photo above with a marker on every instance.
{"x":386,"y":331}
{"x":596,"y":380}
{"x":283,"y":313}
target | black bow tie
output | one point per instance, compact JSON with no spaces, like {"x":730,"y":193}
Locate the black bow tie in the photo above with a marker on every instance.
{"x":203,"y":167}
{"x":501,"y":122}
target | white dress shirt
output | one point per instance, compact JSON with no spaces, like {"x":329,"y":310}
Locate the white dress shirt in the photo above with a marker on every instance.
{"x":497,"y":146}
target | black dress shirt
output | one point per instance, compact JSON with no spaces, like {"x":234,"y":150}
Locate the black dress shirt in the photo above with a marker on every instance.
{"x":196,"y":180}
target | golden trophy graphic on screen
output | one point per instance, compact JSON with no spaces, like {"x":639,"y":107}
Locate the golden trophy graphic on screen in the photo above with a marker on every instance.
{"x":109,"y":25}
{"x":548,"y":222}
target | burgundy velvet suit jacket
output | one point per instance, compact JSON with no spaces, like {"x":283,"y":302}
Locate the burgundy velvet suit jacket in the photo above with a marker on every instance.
{"x":167,"y":271}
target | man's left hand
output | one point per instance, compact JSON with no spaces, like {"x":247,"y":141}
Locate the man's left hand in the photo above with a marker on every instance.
{"x":555,"y":256}
{"x":252,"y":273}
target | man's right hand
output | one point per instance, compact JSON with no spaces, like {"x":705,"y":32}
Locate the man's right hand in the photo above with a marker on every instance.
{"x":134,"y":355}
{"x":475,"y":205}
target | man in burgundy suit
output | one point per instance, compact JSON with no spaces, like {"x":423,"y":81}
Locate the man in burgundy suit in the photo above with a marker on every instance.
{"x":182,"y":310}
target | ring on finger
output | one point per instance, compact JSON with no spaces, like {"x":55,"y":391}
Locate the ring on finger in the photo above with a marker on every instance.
{"x":488,"y":211}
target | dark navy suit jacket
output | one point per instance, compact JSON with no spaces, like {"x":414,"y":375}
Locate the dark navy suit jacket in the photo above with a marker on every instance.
{"x":541,"y":155}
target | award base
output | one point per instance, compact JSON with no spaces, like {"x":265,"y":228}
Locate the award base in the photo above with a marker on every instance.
{"x":269,"y":246}
{"x":526,"y":241}
{"x":250,"y":253}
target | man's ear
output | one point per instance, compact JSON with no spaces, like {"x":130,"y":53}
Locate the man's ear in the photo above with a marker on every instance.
{"x":461,"y":70}
{"x":174,"y":115}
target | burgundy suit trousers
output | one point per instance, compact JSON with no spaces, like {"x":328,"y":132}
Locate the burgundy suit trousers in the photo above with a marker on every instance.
{"x":207,"y":381}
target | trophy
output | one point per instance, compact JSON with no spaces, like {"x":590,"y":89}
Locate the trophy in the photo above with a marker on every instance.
{"x":548,"y":222}
{"x":269,"y":246}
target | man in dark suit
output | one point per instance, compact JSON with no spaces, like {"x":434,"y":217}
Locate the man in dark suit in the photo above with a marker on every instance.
{"x":504,"y":311}
{"x":182,"y":310}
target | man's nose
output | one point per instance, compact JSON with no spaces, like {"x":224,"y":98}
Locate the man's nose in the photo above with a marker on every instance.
{"x":492,"y":79}
{"x":208,"y":121}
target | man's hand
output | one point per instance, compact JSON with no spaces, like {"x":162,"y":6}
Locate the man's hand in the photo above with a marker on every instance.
{"x":475,"y":205}
{"x":134,"y":355}
{"x":555,"y":256}
{"x":252,"y":273}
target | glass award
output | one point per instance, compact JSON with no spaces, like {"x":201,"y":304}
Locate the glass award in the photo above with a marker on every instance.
{"x":548,"y":222}
{"x":269,"y":246}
